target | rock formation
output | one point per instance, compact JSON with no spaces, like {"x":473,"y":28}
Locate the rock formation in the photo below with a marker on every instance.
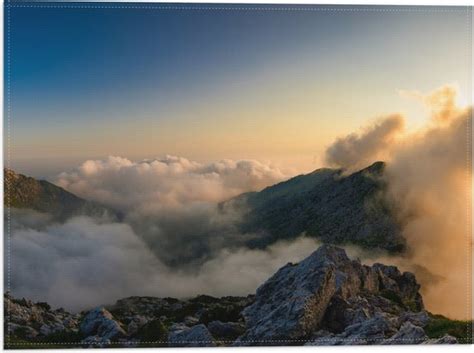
{"x":326,"y":299}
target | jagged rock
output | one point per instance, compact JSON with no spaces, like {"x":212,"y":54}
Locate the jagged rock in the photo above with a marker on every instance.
{"x":420,"y":319}
{"x":26,"y":319}
{"x":328,"y":290}
{"x":21,"y":330}
{"x":326,"y":299}
{"x":342,"y":313}
{"x":377,"y":330}
{"x":100,"y":322}
{"x":191,"y":320}
{"x":446,"y":339}
{"x":408,"y":334}
{"x":135,"y":323}
{"x":46,"y":330}
{"x":95,"y":342}
{"x":372,"y":331}
{"x":226,"y":330}
{"x":293,"y":301}
{"x":178,"y":327}
{"x":402,"y":286}
{"x":202,"y":308}
{"x":196,"y":336}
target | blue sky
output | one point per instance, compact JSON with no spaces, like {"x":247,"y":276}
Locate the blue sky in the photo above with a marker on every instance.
{"x":217,"y":83}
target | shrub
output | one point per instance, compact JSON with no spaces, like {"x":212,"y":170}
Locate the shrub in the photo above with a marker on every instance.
{"x":440,"y":326}
{"x":153,"y":334}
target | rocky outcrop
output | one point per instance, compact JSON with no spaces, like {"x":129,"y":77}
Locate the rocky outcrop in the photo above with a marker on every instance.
{"x":203,"y":309}
{"x":99,"y":323}
{"x":446,"y":339}
{"x":326,"y":299}
{"x":227,"y":331}
{"x":291,"y":304}
{"x":408,"y":334}
{"x":329,"y":291}
{"x":29,"y":320}
{"x":196,"y":336}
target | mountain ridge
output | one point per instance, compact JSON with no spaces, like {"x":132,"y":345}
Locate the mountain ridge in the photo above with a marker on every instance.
{"x":329,"y":204}
{"x":40,"y":195}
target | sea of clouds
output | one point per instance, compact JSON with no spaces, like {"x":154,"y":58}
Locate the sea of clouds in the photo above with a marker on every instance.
{"x":174,"y":242}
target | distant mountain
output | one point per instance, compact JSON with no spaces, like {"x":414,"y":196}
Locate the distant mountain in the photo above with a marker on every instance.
{"x":325,"y":204}
{"x":337,"y":208}
{"x":42,"y":196}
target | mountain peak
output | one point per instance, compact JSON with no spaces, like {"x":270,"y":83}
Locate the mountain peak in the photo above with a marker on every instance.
{"x":325,"y":204}
{"x":376,"y":168}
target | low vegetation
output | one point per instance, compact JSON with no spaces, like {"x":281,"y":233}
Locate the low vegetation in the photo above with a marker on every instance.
{"x":440,"y":326}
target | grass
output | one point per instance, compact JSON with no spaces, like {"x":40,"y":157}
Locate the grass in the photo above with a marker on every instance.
{"x":153,"y":331}
{"x":440,"y":326}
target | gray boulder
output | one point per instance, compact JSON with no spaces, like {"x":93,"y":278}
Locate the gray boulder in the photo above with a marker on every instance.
{"x":408,"y":334}
{"x":191,"y":320}
{"x":34,"y":320}
{"x":381,"y":329}
{"x":291,"y":304}
{"x":372,"y":331}
{"x":420,"y":318}
{"x":196,"y":336}
{"x":100,"y":322}
{"x":95,"y":342}
{"x":226,"y":330}
{"x":446,"y":339}
{"x":135,"y":323}
{"x":358,"y":304}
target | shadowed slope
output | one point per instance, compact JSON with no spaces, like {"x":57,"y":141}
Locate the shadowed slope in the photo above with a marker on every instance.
{"x":42,"y":196}
{"x":327,"y":204}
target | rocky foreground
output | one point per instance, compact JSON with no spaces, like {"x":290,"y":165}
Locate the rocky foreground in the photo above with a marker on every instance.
{"x":326,"y":299}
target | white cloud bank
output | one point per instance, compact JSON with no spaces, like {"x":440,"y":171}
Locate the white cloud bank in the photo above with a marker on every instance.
{"x":167,"y":182}
{"x":83,"y":263}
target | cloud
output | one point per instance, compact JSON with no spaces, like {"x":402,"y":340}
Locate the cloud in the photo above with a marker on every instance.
{"x":167,"y":182}
{"x":175,"y":242}
{"x":26,"y":218}
{"x":429,"y":182}
{"x":171,"y":203}
{"x":441,"y":102}
{"x":82,"y":263}
{"x":429,"y":186}
{"x":356,"y":151}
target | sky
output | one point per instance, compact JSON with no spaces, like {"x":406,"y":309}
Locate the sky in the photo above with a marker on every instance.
{"x":215,"y":83}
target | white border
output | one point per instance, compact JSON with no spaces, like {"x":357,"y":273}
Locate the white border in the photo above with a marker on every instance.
{"x":394,"y":349}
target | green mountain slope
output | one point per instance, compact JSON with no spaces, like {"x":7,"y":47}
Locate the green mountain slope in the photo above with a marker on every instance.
{"x":42,"y":196}
{"x":337,"y":208}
